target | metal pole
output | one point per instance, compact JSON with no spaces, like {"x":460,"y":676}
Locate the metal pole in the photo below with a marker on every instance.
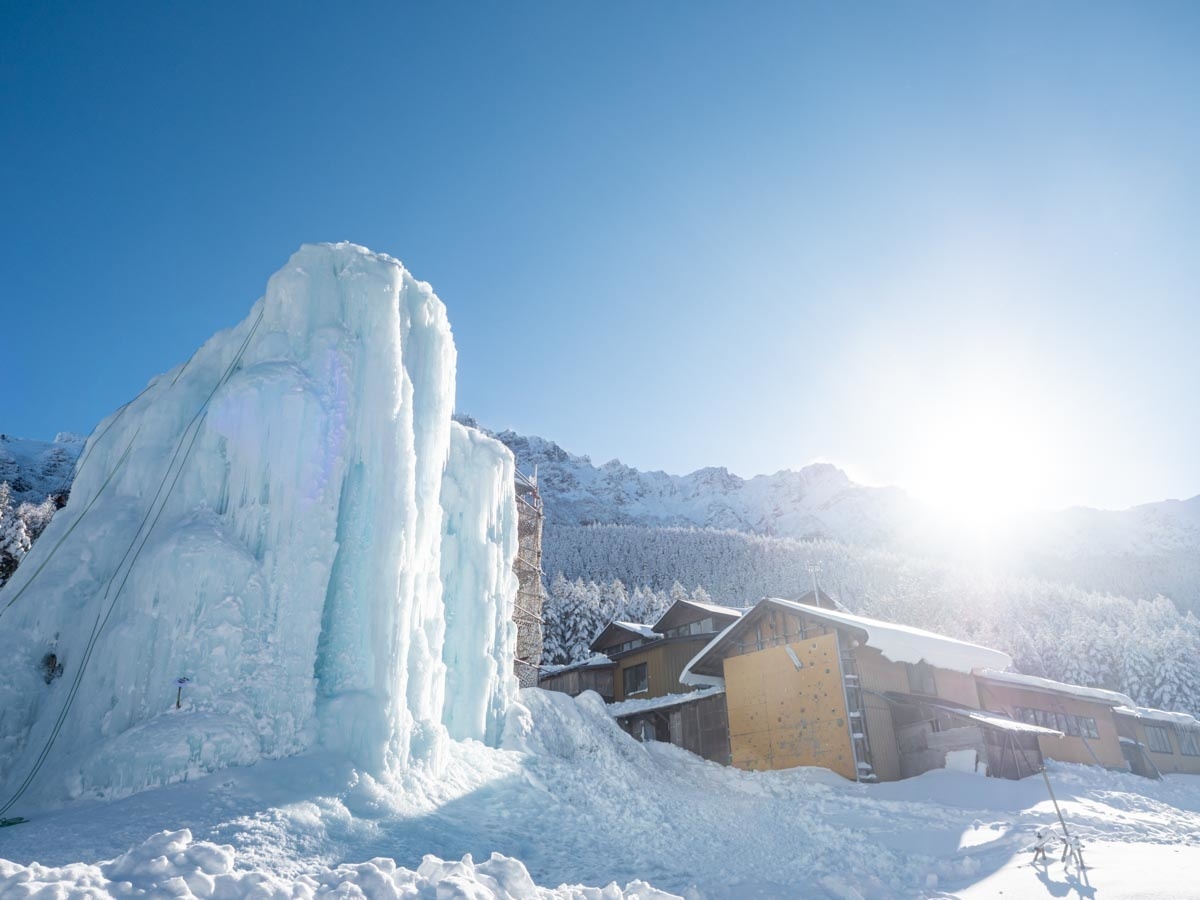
{"x":813,"y":569}
{"x":1066,"y":832}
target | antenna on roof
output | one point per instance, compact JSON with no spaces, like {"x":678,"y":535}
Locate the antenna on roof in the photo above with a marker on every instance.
{"x":813,"y":569}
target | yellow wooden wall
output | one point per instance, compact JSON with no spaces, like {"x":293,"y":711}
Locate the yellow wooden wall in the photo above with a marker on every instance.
{"x":781,"y":716}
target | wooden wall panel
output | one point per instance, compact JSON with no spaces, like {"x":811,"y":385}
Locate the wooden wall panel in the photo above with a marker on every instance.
{"x":781,"y":716}
{"x":956,"y":686}
{"x":664,"y":664}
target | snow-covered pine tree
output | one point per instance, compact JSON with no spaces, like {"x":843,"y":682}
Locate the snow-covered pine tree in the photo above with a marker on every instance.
{"x":14,"y":535}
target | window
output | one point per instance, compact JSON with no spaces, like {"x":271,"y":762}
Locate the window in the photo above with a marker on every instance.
{"x":920,"y":679}
{"x":1156,"y":736}
{"x":1075,"y":726}
{"x":704,"y":626}
{"x":635,"y":679}
{"x":1187,"y":741}
{"x":628,"y":645}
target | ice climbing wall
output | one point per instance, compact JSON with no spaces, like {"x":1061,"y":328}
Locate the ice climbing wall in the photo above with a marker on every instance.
{"x":270,"y":521}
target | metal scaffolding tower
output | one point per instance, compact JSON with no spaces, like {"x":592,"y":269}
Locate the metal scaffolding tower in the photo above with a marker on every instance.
{"x":531,"y":593}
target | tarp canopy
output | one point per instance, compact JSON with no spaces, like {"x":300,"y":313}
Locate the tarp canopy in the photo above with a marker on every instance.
{"x":978,"y":716}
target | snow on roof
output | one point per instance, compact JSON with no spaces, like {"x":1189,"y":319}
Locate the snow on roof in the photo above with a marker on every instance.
{"x":596,"y":659}
{"x":1182,"y":720}
{"x":713,"y":608}
{"x":637,"y":628}
{"x":643,"y":631}
{"x":716,"y":608}
{"x":632,"y":707}
{"x":903,"y":644}
{"x":899,"y":643}
{"x":1033,"y":682}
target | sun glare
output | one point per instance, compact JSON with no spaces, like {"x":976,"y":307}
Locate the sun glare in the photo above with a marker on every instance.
{"x":982,"y":455}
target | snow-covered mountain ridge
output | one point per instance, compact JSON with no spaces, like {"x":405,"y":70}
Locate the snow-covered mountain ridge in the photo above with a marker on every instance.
{"x":1141,"y":551}
{"x":816,"y":501}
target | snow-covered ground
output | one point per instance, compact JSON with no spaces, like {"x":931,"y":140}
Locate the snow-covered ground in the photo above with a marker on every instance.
{"x":577,"y":802}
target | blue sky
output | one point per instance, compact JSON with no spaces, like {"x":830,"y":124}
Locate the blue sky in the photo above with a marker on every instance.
{"x":684,"y":234}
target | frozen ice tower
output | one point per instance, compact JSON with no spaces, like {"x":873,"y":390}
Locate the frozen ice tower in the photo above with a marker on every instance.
{"x":290,"y":521}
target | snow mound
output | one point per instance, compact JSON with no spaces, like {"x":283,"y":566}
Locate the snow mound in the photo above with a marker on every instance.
{"x":172,"y":864}
{"x":289,"y":521}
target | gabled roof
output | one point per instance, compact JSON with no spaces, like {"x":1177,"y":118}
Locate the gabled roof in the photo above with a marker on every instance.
{"x":617,"y":632}
{"x":899,"y":643}
{"x":1047,"y":686}
{"x":683,"y":611}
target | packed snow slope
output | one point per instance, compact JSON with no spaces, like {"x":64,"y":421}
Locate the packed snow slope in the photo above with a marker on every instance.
{"x":577,"y":801}
{"x":290,"y":521}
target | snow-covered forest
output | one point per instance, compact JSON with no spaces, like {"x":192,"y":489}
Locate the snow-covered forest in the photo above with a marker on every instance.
{"x":576,"y":611}
{"x":20,"y":525}
{"x":1146,"y":648}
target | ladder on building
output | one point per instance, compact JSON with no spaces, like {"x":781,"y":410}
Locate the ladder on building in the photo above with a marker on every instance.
{"x":856,"y":711}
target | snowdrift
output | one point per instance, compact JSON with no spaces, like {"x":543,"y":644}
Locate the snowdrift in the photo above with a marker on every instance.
{"x":290,"y":521}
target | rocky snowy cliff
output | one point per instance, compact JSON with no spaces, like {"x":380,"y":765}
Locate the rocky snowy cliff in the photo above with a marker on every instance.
{"x":36,"y":470}
{"x":269,"y":521}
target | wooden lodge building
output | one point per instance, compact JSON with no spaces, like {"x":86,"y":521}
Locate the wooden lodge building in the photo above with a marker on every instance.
{"x":646,"y":660}
{"x":807,"y":685}
{"x":641,"y":678}
{"x":804,"y":683}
